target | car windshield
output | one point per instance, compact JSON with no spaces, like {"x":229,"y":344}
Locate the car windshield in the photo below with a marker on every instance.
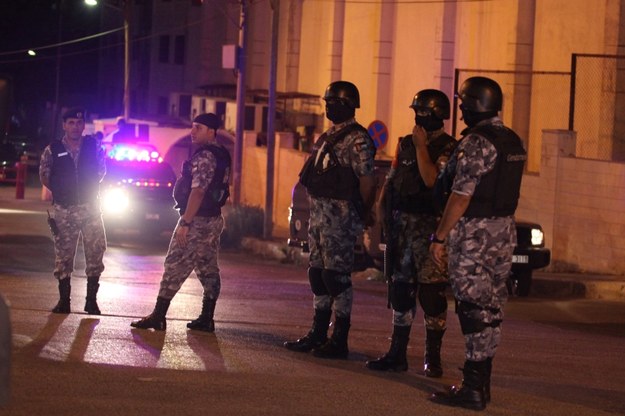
{"x":136,"y":171}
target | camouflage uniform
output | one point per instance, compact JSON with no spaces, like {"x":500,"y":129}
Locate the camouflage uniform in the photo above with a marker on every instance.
{"x":202,"y":248}
{"x":74,"y":220}
{"x":335,"y":224}
{"x":412,"y":218}
{"x":480,"y":251}
{"x":200,"y":193}
{"x":413,"y":265}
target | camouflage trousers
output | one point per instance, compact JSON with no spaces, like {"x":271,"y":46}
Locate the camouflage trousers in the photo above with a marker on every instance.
{"x":74,"y":221}
{"x":414,"y":266}
{"x":480,"y":258}
{"x":332,"y":232}
{"x":200,"y":255}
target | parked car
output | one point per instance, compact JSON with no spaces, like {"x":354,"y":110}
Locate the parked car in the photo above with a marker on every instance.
{"x":14,"y":149}
{"x":529,"y":255}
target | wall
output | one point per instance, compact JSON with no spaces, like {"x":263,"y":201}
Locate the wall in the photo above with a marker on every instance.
{"x":581,"y":205}
{"x":288,"y":163}
{"x":390,"y":50}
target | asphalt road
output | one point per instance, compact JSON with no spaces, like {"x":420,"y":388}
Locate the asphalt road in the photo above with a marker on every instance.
{"x":558,"y":357}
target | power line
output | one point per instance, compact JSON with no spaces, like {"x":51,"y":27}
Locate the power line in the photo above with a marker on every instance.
{"x":68,"y":42}
{"x":135,"y":40}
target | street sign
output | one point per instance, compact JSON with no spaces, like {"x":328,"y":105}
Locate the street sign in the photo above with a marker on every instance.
{"x":379,"y":133}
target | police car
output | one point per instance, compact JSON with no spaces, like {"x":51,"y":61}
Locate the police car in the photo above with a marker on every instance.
{"x":136,"y":193}
{"x":530,"y":253}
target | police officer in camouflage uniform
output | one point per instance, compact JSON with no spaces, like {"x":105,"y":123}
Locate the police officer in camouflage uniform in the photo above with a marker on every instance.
{"x":478,"y":227}
{"x":339,"y":178}
{"x":200,"y":193}
{"x":407,"y":194}
{"x":72,"y":168}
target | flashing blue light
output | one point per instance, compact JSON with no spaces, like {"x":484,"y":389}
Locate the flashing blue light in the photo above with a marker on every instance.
{"x":134,"y":153}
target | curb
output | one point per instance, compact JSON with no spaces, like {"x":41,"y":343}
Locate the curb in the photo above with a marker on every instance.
{"x":544,"y":284}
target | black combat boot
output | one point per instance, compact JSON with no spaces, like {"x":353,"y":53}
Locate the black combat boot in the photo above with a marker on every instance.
{"x":336,"y":346}
{"x":470,"y":394}
{"x":65,"y":289}
{"x":91,"y":303}
{"x":205,"y":321}
{"x":155,"y":320}
{"x":317,"y":336}
{"x":488,"y":371}
{"x":395,"y":358}
{"x":432,"y":366}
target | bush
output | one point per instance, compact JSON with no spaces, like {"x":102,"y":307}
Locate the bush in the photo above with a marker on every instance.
{"x":241,"y":221}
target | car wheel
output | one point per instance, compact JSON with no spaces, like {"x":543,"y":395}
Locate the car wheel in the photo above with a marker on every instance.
{"x":520,"y":283}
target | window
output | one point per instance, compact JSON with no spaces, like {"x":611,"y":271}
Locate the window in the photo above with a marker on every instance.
{"x":163,"y":105}
{"x":179,"y":50}
{"x":163,"y":49}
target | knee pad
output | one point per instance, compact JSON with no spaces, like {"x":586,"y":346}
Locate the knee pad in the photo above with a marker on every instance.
{"x":432,"y":298}
{"x":316,"y":281}
{"x":403,"y":296}
{"x":469,"y":317}
{"x":331,"y":279}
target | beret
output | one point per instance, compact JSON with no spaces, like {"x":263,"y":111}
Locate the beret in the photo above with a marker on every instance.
{"x":210,"y":120}
{"x":74,"y":112}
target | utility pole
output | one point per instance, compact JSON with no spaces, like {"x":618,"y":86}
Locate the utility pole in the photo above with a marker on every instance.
{"x":126,"y":12}
{"x":240,"y":125}
{"x":271,"y":118}
{"x":57,"y":81}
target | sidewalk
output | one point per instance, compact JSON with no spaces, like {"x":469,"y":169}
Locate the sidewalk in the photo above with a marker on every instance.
{"x":545,"y":284}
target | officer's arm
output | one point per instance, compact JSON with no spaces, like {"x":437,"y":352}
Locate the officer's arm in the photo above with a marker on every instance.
{"x":454,"y":210}
{"x":427,"y":168}
{"x":44,"y":167}
{"x":101,"y":163}
{"x":367,"y":191}
{"x":193,"y":203}
{"x":381,"y":203}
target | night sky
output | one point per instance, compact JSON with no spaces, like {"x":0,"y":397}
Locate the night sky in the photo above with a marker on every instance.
{"x":28,"y":24}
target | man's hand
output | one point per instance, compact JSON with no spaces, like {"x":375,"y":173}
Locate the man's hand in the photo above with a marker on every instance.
{"x":181,"y":235}
{"x":437,"y":252}
{"x":419,"y":136}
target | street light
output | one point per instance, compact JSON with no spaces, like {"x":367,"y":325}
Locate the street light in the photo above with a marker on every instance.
{"x":125,"y":10}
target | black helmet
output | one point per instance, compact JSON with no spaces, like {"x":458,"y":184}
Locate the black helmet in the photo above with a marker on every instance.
{"x":434,"y":100}
{"x":344,"y":91}
{"x":480,"y":95}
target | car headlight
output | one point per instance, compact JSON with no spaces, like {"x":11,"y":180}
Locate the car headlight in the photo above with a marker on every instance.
{"x":537,"y":237}
{"x":115,"y":200}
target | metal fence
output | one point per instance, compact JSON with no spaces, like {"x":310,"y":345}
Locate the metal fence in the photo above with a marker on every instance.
{"x":597,"y":110}
{"x":533,"y":101}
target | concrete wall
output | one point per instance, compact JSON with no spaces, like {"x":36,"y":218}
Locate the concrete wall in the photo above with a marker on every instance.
{"x":580,"y":204}
{"x":288,"y":163}
{"x":390,"y":50}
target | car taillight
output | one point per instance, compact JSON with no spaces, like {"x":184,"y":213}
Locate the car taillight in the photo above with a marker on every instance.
{"x":153,"y":184}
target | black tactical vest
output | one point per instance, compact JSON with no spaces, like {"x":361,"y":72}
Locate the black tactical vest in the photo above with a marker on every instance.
{"x":218,"y":191}
{"x":335,"y":181}
{"x":410,"y":194}
{"x":71,"y":185}
{"x":497,"y":194}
